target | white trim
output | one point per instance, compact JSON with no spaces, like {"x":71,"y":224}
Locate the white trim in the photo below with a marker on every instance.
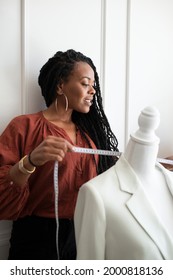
{"x":103,"y":48}
{"x":24,"y":103}
{"x":127,"y":78}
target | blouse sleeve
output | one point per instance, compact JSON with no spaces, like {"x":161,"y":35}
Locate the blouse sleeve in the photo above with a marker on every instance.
{"x":12,"y":196}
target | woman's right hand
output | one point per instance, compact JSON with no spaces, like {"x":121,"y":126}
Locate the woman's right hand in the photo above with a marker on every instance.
{"x":51,"y":149}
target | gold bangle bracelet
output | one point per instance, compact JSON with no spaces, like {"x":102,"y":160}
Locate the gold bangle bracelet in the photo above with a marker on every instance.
{"x":23,"y":169}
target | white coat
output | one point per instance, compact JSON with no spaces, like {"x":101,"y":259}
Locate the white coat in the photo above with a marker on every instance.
{"x":114,"y":219}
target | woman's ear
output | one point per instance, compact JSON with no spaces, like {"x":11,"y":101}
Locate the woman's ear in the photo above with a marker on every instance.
{"x":60,"y":88}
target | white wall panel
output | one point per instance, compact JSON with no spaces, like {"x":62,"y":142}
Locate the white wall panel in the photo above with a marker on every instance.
{"x":5,"y":233}
{"x":115,"y":67}
{"x":58,"y":25}
{"x":10,"y":61}
{"x":151,"y":64}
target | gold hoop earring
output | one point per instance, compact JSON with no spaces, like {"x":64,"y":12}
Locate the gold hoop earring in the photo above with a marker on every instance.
{"x":66,"y":101}
{"x":56,"y":105}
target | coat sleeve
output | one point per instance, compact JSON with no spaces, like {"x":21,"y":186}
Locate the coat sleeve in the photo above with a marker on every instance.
{"x":90,"y":224}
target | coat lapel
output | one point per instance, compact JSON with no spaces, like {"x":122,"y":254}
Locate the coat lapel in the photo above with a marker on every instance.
{"x":141,"y":208}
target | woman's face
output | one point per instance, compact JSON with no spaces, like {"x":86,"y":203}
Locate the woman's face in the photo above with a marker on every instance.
{"x":79,"y":88}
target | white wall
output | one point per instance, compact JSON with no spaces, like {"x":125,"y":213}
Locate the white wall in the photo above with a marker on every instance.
{"x":10,"y":61}
{"x":151,"y":65}
{"x":130,"y":42}
{"x":57,"y":25}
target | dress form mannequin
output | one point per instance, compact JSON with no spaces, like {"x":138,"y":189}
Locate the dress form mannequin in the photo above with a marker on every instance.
{"x":126,"y":212}
{"x":141,"y":154}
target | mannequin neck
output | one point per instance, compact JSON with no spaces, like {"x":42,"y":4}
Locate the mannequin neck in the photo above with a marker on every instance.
{"x":142,"y":157}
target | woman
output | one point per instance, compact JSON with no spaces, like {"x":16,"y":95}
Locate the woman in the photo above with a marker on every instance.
{"x":31,"y":144}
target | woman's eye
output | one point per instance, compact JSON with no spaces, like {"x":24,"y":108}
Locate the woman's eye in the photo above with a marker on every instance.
{"x":87,"y":85}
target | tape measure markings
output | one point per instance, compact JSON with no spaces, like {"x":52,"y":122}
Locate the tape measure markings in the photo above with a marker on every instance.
{"x":111,"y":153}
{"x":95,"y":151}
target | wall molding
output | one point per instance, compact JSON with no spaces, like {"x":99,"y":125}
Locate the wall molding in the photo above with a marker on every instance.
{"x":103,"y":48}
{"x":127,"y":74}
{"x":24,"y":52}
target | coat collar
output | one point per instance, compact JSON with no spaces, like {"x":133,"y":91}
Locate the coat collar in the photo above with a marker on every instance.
{"x":141,"y":208}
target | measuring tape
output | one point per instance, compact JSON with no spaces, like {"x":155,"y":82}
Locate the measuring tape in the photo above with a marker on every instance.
{"x":164,"y":160}
{"x":56,"y":189}
{"x":85,"y":151}
{"x":95,"y":152}
{"x":111,"y":153}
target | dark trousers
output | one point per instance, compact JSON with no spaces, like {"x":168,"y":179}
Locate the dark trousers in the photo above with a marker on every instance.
{"x":34,"y":238}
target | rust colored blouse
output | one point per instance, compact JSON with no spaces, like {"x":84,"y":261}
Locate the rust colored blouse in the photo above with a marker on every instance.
{"x":36,"y":197}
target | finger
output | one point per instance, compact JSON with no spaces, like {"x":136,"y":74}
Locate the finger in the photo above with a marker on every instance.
{"x":59,"y":143}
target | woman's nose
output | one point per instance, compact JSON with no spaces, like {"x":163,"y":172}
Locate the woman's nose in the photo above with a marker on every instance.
{"x":92,"y":90}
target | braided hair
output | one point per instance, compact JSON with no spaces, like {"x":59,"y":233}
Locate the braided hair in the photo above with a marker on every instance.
{"x":94,"y":123}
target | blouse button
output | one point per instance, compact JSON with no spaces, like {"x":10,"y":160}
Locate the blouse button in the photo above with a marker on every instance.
{"x":11,"y":183}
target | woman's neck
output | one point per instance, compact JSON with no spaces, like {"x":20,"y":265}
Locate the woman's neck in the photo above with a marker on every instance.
{"x":55,"y":116}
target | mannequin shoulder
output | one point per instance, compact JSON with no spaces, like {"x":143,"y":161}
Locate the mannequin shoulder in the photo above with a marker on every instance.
{"x":102,"y":182}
